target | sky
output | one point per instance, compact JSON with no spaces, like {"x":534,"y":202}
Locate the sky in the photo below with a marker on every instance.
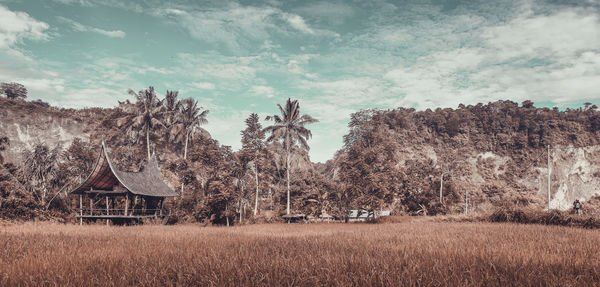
{"x":335,"y":57}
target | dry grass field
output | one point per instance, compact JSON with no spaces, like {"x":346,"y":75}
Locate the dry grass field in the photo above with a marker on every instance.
{"x":414,"y":253}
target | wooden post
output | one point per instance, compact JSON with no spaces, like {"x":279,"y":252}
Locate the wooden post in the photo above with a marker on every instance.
{"x":107,"y":210}
{"x":81,"y":209}
{"x":91,"y":206}
{"x":160,"y":205}
{"x":466,"y":201}
{"x":441,"y":185}
{"x":126,"y":203}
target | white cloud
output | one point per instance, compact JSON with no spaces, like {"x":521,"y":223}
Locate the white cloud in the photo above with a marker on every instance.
{"x":298,"y":23}
{"x":565,"y":33}
{"x":263,"y":91}
{"x":548,"y":57}
{"x":83,"y":28}
{"x":238,"y":27}
{"x":146,"y":68}
{"x":71,"y":2}
{"x":204,"y":85}
{"x":330,"y":12}
{"x":88,"y":97}
{"x":16,"y":26}
{"x":228,"y":72}
{"x":349,"y":92}
{"x":225,"y":125}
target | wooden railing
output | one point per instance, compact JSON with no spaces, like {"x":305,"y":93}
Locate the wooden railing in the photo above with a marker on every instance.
{"x":120,"y":212}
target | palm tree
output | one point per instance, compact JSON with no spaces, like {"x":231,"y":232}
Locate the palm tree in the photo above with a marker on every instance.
{"x":172,"y":111}
{"x":191,"y":117}
{"x":146,"y":114}
{"x":289,"y":128}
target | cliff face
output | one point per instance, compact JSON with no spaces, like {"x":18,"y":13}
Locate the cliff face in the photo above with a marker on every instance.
{"x":497,"y":153}
{"x":575,"y":174}
{"x":489,"y":178}
{"x":26,"y":123}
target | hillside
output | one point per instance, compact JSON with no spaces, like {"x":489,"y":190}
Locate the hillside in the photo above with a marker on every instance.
{"x":393,"y":159}
{"x":210,"y":174}
{"x":495,"y":152}
{"x":26,"y":123}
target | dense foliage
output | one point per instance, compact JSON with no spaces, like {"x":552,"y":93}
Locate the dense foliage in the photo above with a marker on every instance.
{"x":412,"y":162}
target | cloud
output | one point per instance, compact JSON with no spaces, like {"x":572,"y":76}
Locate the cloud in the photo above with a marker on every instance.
{"x":83,"y":28}
{"x":225,"y":124}
{"x":565,"y":33}
{"x":71,"y":2}
{"x":146,"y":68}
{"x":296,"y":62}
{"x":16,"y":26}
{"x":335,"y":13}
{"x":298,"y":23}
{"x":263,"y":91}
{"x":204,"y":85}
{"x":237,"y":27}
{"x":550,"y":57}
{"x":88,"y":97}
{"x":230,"y":72}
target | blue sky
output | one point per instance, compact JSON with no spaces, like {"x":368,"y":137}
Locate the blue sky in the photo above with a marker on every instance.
{"x":336,"y":57}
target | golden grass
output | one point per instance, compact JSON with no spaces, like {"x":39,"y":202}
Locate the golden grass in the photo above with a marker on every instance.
{"x":410,"y":253}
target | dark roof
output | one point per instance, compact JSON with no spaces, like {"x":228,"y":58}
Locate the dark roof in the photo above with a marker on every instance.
{"x":105,"y":177}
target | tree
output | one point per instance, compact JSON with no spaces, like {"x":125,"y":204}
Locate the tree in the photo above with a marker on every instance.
{"x":40,"y":167}
{"x":13,"y":90}
{"x":191,"y":117}
{"x":368,"y":171}
{"x":252,"y":146}
{"x":146,"y":114}
{"x":172,"y":111}
{"x":290,"y":129}
{"x":238,"y":171}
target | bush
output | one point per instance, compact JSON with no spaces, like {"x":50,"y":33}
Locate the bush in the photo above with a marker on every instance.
{"x":554,"y":217}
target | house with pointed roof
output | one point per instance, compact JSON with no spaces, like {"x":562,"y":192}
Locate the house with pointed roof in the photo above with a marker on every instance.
{"x":120,"y":196}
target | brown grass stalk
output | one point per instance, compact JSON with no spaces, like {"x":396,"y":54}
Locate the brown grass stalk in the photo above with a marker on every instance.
{"x":411,"y":253}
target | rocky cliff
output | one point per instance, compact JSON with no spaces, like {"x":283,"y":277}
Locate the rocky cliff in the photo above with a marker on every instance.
{"x":494,"y":154}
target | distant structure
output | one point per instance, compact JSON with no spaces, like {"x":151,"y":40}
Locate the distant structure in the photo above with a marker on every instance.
{"x":122,"y":197}
{"x":364,"y":215}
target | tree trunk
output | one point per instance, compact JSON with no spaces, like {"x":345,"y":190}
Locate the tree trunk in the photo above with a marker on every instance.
{"x":187,"y":135}
{"x":148,"y":142}
{"x":256,"y":197}
{"x":226,"y":216}
{"x":44,"y":192}
{"x":184,"y":158}
{"x":287,"y":169}
{"x":241,"y":200}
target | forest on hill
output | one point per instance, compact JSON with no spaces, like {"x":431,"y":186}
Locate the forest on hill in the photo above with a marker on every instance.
{"x":481,"y":156}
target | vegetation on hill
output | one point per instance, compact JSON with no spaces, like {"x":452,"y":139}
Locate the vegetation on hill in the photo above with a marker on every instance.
{"x":395,"y":158}
{"x":485,"y":155}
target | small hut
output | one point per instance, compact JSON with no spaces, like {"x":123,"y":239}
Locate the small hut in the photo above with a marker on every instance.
{"x":122,"y":197}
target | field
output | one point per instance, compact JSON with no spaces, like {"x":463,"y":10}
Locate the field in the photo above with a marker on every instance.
{"x":413,"y":253}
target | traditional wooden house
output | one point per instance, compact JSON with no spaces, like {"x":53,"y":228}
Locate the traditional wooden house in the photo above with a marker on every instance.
{"x":122,"y":197}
